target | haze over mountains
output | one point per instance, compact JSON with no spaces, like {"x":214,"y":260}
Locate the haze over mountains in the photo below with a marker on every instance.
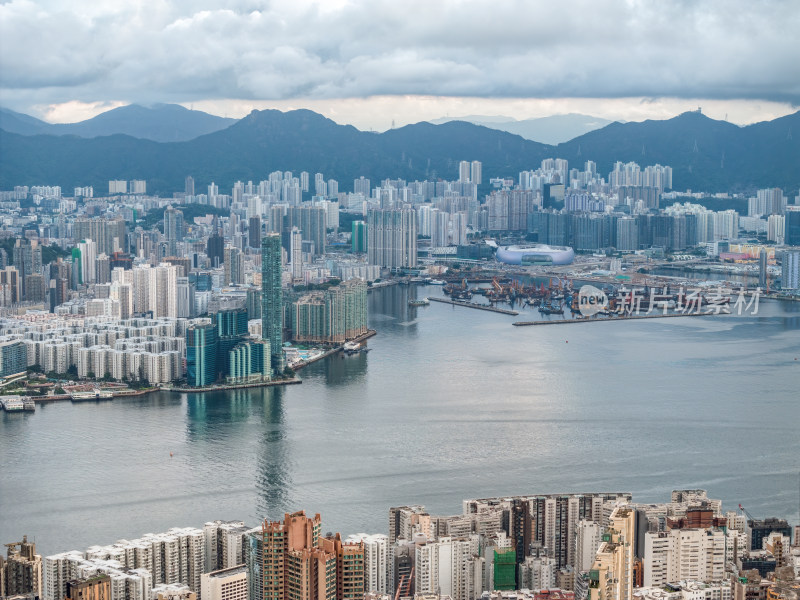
{"x":160,"y":123}
{"x":705,"y":154}
{"x":552,"y":130}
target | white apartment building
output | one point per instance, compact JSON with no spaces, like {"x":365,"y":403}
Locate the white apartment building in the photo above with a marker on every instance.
{"x":376,"y":560}
{"x":679,"y":554}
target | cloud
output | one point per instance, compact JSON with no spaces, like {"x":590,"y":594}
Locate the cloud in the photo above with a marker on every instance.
{"x":53,"y":52}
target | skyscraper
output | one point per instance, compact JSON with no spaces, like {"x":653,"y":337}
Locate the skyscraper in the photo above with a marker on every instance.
{"x":790,"y":273}
{"x":22,"y":571}
{"x":296,"y":246}
{"x":290,"y":560}
{"x":173,"y":229}
{"x":476,"y":174}
{"x":201,"y":354}
{"x":108,"y":235}
{"x":254,"y":232}
{"x":611,"y":575}
{"x":392,"y":238}
{"x":234,"y":266}
{"x":272,"y":299}
{"x":359,"y":236}
{"x":464,"y":171}
{"x":792,"y":227}
{"x":188,"y":188}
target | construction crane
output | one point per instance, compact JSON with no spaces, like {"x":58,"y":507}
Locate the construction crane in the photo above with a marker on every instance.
{"x":747,"y":514}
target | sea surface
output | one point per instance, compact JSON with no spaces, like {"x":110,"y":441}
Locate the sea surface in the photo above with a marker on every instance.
{"x":450,"y":403}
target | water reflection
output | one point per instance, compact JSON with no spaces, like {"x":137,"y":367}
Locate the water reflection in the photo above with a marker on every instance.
{"x":273,"y":477}
{"x":342,"y":370}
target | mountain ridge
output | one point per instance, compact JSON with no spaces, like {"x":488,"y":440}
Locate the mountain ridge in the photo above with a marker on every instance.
{"x":704,"y":153}
{"x":159,"y":122}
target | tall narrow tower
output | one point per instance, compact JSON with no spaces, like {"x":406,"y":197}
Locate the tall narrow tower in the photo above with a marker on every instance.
{"x":272,"y":299}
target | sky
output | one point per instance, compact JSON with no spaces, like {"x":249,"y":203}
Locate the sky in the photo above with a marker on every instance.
{"x":372,"y":62}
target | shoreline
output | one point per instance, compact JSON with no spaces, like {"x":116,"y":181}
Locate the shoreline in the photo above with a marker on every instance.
{"x":338,"y":348}
{"x":216,"y":388}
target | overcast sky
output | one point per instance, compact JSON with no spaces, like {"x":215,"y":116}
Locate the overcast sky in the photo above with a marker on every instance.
{"x":368,"y":62}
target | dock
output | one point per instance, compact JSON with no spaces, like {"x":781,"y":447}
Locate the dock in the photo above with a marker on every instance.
{"x":338,"y":348}
{"x":608,"y":319}
{"x":502,"y":311}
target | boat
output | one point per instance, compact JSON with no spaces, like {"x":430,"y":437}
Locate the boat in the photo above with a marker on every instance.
{"x":437,"y":282}
{"x":423,"y":302}
{"x":12,"y":404}
{"x":91,"y":395}
{"x":354,"y":348}
{"x":553,"y":308}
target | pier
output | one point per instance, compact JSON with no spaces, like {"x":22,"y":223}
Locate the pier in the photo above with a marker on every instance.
{"x":607,"y":319}
{"x":502,"y":311}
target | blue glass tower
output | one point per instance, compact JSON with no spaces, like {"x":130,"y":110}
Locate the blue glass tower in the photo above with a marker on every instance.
{"x":201,"y":355}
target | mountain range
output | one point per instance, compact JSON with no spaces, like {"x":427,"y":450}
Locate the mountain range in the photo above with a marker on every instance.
{"x":705,"y":154}
{"x":160,"y":123}
{"x":552,"y":130}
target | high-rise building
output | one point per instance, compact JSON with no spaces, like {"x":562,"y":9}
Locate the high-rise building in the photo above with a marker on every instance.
{"x":771,"y":201}
{"x":88,"y":261}
{"x":10,"y":286}
{"x":215,"y":249}
{"x":21,"y":572}
{"x":611,"y":575}
{"x":333,"y":316}
{"x":188,"y":186}
{"x":296,"y":253}
{"x":376,"y":561}
{"x":97,"y":587}
{"x":362,"y":186}
{"x":109,"y":235}
{"x":272,"y":299}
{"x":201,"y":354}
{"x":359,"y":236}
{"x":173,"y":229}
{"x":476,"y":174}
{"x":13,"y":358}
{"x":137,"y":186}
{"x":231,"y":326}
{"x":311,"y":221}
{"x":117,"y":186}
{"x":464,"y":171}
{"x":392,"y":238}
{"x":290,"y":560}
{"x":234,"y":266}
{"x":254,"y":232}
{"x":790,"y":270}
{"x":225,"y":584}
{"x":28,"y":260}
{"x":225,"y":544}
{"x":792,"y":227}
{"x":683,"y":554}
